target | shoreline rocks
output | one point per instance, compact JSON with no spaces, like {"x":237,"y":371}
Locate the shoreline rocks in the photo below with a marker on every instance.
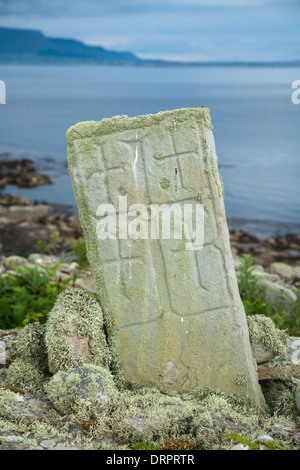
{"x":22,"y":173}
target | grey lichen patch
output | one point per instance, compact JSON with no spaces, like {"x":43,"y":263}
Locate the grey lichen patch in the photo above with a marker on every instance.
{"x":280,"y":397}
{"x":165,"y":183}
{"x":82,"y":390}
{"x":75,"y":332}
{"x":263,"y":330}
{"x":26,"y":375}
{"x":29,"y":344}
{"x":7,"y":401}
{"x":241,"y":379}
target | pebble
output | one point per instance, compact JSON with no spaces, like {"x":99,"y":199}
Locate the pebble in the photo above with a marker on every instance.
{"x":48,"y":444}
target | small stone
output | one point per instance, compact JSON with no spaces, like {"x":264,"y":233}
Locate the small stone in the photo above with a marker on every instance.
{"x":296,"y":438}
{"x":283,"y":270}
{"x":239,"y":447}
{"x":279,"y":431}
{"x":293,"y":350}
{"x":278,"y":293}
{"x":62,"y":446}
{"x":13,"y":439}
{"x":43,"y":260}
{"x":47,"y":444}
{"x":13,"y":261}
{"x":265,"y":438}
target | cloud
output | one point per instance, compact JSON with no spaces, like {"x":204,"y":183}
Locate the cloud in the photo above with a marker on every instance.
{"x":121,"y":7}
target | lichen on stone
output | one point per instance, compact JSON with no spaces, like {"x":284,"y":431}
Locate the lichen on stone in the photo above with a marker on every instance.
{"x":75,"y":333}
{"x":29,"y":344}
{"x":263,"y":330}
{"x":26,"y":375}
{"x":82,"y":390}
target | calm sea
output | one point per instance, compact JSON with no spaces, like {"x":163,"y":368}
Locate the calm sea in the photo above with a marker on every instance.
{"x":256,"y":127}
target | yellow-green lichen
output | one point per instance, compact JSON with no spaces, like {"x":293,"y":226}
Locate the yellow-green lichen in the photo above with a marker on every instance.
{"x":82,"y":391}
{"x":26,"y":375}
{"x":75,"y":333}
{"x":263,"y":330}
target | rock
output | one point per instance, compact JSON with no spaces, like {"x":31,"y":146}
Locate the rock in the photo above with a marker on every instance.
{"x":283,"y":270}
{"x":279,"y":431}
{"x":18,"y":214}
{"x":13,"y":261}
{"x":75,"y":332}
{"x":266,"y":340}
{"x":296,"y":438}
{"x":266,"y":276}
{"x":298,"y":396}
{"x":9,"y":200}
{"x":171,"y":300}
{"x":86,"y":283}
{"x":47,"y":444}
{"x":30,"y":181}
{"x":44,"y":260}
{"x":277,"y":293}
{"x":293,"y":350}
{"x":239,"y":447}
{"x":22,"y":173}
{"x":81,"y":389}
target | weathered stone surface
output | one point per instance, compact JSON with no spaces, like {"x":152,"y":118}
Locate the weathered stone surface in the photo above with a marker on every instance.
{"x":177,"y":316}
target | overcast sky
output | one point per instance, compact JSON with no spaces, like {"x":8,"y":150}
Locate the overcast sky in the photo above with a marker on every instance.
{"x":170,"y":29}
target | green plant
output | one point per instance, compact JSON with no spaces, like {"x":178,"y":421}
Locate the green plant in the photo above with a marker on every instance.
{"x":144,"y":445}
{"x":48,"y":248}
{"x":255,"y":303}
{"x":253,"y":445}
{"x":27,"y":296}
{"x":78,"y":247}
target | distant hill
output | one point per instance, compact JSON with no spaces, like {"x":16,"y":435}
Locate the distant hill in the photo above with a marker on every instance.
{"x":27,"y":46}
{"x":31,"y":46}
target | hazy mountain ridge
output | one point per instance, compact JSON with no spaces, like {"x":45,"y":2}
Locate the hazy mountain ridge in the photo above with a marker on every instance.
{"x":32,"y":46}
{"x":21,"y":45}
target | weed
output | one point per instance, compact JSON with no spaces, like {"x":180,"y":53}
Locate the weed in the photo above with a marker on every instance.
{"x":27,"y":296}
